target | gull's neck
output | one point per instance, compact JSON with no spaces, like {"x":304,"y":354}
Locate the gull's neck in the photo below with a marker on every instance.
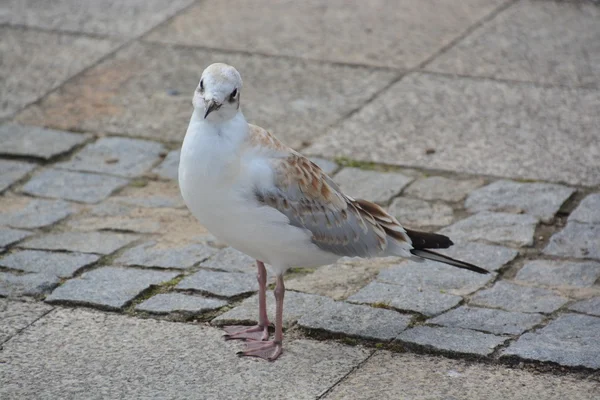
{"x":233,"y":130}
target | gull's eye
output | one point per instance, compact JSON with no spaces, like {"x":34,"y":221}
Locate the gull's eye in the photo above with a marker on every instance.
{"x":232,"y":96}
{"x":202,"y":85}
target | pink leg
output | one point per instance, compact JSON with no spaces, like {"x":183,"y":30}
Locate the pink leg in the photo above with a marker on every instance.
{"x":271,"y":349}
{"x":260,"y":331}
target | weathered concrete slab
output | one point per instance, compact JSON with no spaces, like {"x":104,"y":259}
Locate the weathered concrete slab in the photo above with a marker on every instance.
{"x":84,"y":242}
{"x":576,"y":240}
{"x":33,"y":141}
{"x":10,"y":236}
{"x":17,"y":315}
{"x":559,"y":273}
{"x":589,"y":306}
{"x":588,"y":210}
{"x":27,"y":213}
{"x":169,"y":168}
{"x":13,"y":171}
{"x":453,"y":340}
{"x":225,"y":284}
{"x":441,"y":188}
{"x":63,"y":265}
{"x":487,"y":256}
{"x":513,"y":297}
{"x":12,"y":285}
{"x":375,"y":186}
{"x":150,"y":254}
{"x":165,"y":303}
{"x":231,"y":260}
{"x":416,"y":213}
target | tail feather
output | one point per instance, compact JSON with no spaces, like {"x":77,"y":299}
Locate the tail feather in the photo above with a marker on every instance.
{"x":430,"y":255}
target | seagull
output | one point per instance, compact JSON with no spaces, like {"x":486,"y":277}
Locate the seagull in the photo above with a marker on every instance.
{"x":270,"y":202}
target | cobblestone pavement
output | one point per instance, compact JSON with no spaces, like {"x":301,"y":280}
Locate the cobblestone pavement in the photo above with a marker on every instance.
{"x":479,"y":120}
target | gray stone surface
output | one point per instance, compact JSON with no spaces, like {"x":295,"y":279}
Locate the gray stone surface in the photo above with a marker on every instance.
{"x":571,"y":340}
{"x":472,"y":125}
{"x":588,"y":210}
{"x":361,"y":34}
{"x":146,"y":92}
{"x":12,"y":285}
{"x":542,"y":200}
{"x":33,"y":141}
{"x":576,"y":240}
{"x":440,"y":188}
{"x":76,"y":186}
{"x":116,"y":356}
{"x":406,"y":298}
{"x":487,"y":256}
{"x":63,"y":265}
{"x":37,"y":214}
{"x":484,"y":319}
{"x":229,"y":259}
{"x":225,"y":284}
{"x":12,"y":171}
{"x":375,"y":186}
{"x":502,"y":228}
{"x":17,"y":315}
{"x":35,"y":62}
{"x":165,"y":303}
{"x":431,"y":275}
{"x":169,"y":168}
{"x":513,"y":297}
{"x":109,"y":288}
{"x":116,"y":156}
{"x":356,"y":320}
{"x":589,"y":306}
{"x":10,"y":236}
{"x":453,"y":340}
{"x":415,"y":212}
{"x":101,"y":17}
{"x":150,"y":254}
{"x":84,"y":242}
{"x":559,"y":273}
{"x":548,"y":42}
{"x":389,"y":375}
{"x":329,"y":167}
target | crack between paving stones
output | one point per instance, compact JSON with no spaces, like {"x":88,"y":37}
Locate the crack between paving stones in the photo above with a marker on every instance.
{"x":26,"y":327}
{"x":347,"y":375}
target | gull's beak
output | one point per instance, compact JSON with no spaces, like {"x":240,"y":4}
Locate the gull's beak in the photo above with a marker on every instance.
{"x":210,"y":107}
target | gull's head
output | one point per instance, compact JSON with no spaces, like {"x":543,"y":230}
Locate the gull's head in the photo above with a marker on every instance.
{"x":217,"y":97}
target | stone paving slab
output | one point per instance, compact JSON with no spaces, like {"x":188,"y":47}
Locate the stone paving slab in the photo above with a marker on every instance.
{"x":147,"y":90}
{"x":13,"y":171}
{"x":17,"y":315}
{"x":357,"y":33}
{"x":549,"y":42}
{"x":441,"y":188}
{"x":116,"y":156}
{"x":35,"y":62}
{"x":224,"y":284}
{"x":375,"y":186}
{"x":389,"y":375}
{"x":169,"y":167}
{"x":84,"y":242}
{"x":576,"y":240}
{"x":201,"y":364}
{"x":589,"y":306}
{"x":472,"y":126}
{"x":559,"y":273}
{"x":27,"y":213}
{"x":33,"y":141}
{"x":63,"y":265}
{"x":12,"y":285}
{"x":487,"y":256}
{"x":150,"y":254}
{"x":165,"y":303}
{"x":231,"y":260}
{"x":588,"y":210}
{"x":454,"y":340}
{"x":570,"y":340}
{"x":76,"y":186}
{"x":511,"y":297}
{"x":110,"y":288}
{"x":484,"y":319}
{"x":10,"y":236}
{"x":541,"y":200}
{"x":151,"y":194}
{"x":417,"y":213}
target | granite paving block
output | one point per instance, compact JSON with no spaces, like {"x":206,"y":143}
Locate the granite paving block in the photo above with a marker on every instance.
{"x":571,"y":340}
{"x":116,"y":156}
{"x":511,"y":297}
{"x":415,"y":212}
{"x":406,"y":298}
{"x":484,"y":319}
{"x":225,"y":284}
{"x":12,"y":285}
{"x":63,"y":265}
{"x":541,"y":200}
{"x":452,"y":340}
{"x":588,"y":210}
{"x":147,"y":90}
{"x":487,"y":256}
{"x":375,"y":186}
{"x":576,"y":240}
{"x":559,"y":273}
{"x":501,"y":228}
{"x":101,"y":17}
{"x":76,"y":186}
{"x":229,"y":259}
{"x":357,"y":33}
{"x":356,"y":320}
{"x":165,"y":303}
{"x":37,"y":213}
{"x":109,"y":288}
{"x":151,"y":254}
{"x":84,"y":242}
{"x":17,"y":315}
{"x":329,"y":167}
{"x":12,"y":171}
{"x":440,"y":188}
{"x":169,"y":168}
{"x":589,"y":306}
{"x":471,"y":125}
{"x":548,"y":42}
{"x":35,"y":62}
{"x":33,"y":141}
{"x":434,"y":276}
{"x":10,"y":236}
